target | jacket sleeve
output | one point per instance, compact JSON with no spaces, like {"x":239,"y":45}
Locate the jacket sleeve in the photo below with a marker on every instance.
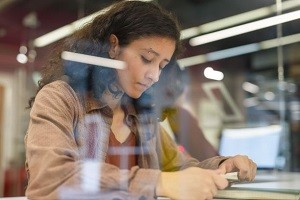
{"x":171,"y":159}
{"x":52,"y":154}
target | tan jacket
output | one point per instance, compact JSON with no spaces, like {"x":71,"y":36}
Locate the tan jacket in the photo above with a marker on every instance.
{"x":57,"y":144}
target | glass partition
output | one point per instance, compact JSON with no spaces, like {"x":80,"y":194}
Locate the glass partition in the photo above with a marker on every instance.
{"x":240,"y":72}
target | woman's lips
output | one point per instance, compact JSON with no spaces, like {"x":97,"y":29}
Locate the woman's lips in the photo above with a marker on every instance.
{"x":144,"y":86}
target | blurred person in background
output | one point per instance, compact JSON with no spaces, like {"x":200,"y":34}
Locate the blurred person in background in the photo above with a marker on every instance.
{"x":183,"y":124}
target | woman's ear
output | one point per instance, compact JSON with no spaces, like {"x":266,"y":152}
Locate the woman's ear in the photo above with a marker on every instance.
{"x":114,"y":46}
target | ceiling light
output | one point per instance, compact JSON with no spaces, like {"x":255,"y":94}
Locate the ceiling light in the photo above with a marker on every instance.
{"x":64,"y":31}
{"x":236,"y":51}
{"x":251,"y":102}
{"x":269,"y":96}
{"x":250,"y":87}
{"x":22,"y":58}
{"x":32,"y":55}
{"x":236,"y":19}
{"x":31,"y":20}
{"x":187,"y":33}
{"x":210,"y":73}
{"x":245,"y":28}
{"x":23,"y":49}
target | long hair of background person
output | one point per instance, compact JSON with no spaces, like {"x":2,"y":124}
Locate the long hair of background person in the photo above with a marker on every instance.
{"x":155,"y":103}
{"x":170,"y":86}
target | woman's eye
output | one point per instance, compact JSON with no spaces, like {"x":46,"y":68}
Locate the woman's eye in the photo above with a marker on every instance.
{"x":145,"y":60}
{"x":162,"y":67}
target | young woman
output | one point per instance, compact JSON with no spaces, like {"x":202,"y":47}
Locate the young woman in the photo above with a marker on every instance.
{"x":85,"y":112}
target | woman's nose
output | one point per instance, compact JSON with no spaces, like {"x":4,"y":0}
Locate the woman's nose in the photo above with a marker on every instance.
{"x":154,"y":74}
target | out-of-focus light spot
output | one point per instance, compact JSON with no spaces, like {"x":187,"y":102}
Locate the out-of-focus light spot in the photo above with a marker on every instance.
{"x":36,"y":76}
{"x":294,"y":105}
{"x":292,"y":87}
{"x":22,"y":58}
{"x":32,"y":55}
{"x":181,"y":148}
{"x":269,"y":96}
{"x":210,"y":73}
{"x":285,"y":86}
{"x":250,"y":102}
{"x":23,"y":49}
{"x":250,"y":87}
{"x":31,"y":20}
{"x":2,"y":32}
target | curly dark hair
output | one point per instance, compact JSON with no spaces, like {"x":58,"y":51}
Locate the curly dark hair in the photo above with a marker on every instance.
{"x":129,"y":21}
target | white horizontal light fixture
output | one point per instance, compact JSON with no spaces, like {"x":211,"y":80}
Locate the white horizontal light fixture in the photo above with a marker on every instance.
{"x":187,"y":33}
{"x":245,"y":28}
{"x":236,"y":51}
{"x":64,"y":31}
{"x":93,"y":60}
{"x":237,"y":19}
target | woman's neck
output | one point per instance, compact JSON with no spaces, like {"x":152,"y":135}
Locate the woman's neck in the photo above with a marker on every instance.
{"x":118,"y":126}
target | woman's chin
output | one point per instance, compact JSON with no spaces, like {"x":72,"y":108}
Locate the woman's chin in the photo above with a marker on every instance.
{"x":135,"y":95}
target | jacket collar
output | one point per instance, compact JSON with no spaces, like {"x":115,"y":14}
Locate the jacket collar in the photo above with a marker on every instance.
{"x":91,"y":104}
{"x":149,"y":125}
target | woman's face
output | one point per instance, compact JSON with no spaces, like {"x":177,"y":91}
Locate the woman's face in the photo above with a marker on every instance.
{"x":145,"y":58}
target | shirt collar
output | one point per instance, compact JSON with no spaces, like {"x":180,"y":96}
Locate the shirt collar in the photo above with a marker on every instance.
{"x":91,"y":103}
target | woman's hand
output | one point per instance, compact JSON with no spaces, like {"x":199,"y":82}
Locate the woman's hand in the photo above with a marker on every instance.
{"x":245,"y":167}
{"x":191,"y":183}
